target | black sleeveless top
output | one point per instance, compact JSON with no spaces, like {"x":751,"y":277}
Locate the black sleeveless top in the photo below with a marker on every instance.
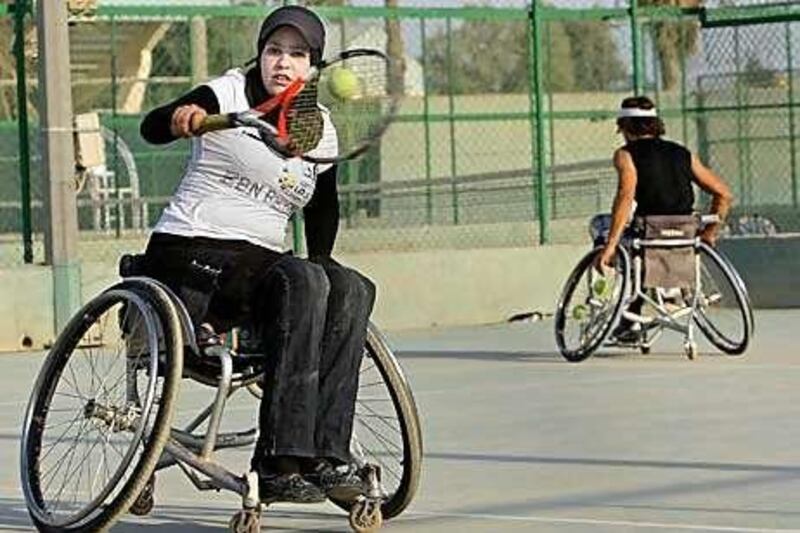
{"x":664,"y":177}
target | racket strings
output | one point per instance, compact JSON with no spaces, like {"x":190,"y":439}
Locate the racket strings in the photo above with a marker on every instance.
{"x":304,"y":122}
{"x":359,"y":117}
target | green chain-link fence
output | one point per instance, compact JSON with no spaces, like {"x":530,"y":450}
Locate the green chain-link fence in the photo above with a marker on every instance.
{"x":506,"y":129}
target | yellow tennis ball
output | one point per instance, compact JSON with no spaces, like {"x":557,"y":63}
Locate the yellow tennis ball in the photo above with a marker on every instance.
{"x":343,"y":83}
{"x":601,"y":287}
{"x":580,"y":312}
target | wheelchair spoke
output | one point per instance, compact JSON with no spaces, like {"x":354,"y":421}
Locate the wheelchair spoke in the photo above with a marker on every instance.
{"x":67,"y":396}
{"x":70,"y":473}
{"x":76,"y":491}
{"x":71,"y":422}
{"x":387,"y":444}
{"x":74,"y":381}
{"x":98,"y":400}
{"x":52,"y":447}
{"x":382,"y":418}
{"x":370,"y":367}
{"x":378,"y":426}
{"x":383,"y":465}
{"x":720,"y":313}
{"x":373,"y":400}
{"x":105,"y":465}
{"x":43,"y":474}
{"x":373,"y":384}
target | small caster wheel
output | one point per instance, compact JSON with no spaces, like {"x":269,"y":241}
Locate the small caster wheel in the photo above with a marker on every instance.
{"x":645,"y":350}
{"x":690,"y":349}
{"x":366,"y":516}
{"x":246,"y":521}
{"x":143,"y":504}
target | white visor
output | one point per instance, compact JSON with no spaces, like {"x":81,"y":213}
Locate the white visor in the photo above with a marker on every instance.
{"x":635,"y":112}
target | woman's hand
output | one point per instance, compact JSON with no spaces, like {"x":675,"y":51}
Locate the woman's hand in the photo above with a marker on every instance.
{"x":709,"y":234}
{"x":186,"y":119}
{"x":605,"y":258}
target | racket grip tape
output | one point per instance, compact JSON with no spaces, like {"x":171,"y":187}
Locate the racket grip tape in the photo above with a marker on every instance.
{"x":211,"y":123}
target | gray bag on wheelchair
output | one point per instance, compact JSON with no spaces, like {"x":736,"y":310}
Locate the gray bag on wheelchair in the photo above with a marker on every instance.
{"x":669,"y":266}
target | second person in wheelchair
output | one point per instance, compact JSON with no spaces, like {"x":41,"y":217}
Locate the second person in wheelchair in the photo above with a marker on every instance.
{"x":219,"y":245}
{"x":657,"y":176}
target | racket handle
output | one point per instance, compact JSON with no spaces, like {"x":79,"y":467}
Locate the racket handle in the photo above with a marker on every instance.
{"x":211,"y":123}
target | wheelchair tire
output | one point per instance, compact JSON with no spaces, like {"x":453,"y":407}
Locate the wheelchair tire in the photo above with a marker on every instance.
{"x":611,"y":311}
{"x":108,"y":411}
{"x":728,"y":287}
{"x":402,"y":468}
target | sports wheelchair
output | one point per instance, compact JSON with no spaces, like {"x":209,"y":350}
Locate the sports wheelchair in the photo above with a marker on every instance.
{"x":99,"y":421}
{"x":663,"y":277}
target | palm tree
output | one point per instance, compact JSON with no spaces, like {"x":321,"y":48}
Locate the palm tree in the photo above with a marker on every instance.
{"x":394,"y":48}
{"x":673,"y":40}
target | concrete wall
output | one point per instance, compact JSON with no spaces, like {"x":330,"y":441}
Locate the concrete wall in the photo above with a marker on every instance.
{"x":768,"y":266}
{"x":426,"y":288}
{"x":415,"y":289}
{"x":458,"y":287}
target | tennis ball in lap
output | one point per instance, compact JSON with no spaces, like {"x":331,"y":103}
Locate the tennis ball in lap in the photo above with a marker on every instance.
{"x":343,"y":83}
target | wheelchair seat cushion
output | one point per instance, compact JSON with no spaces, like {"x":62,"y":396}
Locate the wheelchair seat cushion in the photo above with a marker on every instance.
{"x":669,"y":266}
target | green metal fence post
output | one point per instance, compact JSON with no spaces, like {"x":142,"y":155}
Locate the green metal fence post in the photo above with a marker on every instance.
{"x":684,"y":117}
{"x":427,"y":124}
{"x":653,"y":65}
{"x":790,"y":90}
{"x":348,"y":169}
{"x":451,"y":112}
{"x":536,"y":94}
{"x":636,"y":45}
{"x":740,"y":141}
{"x":20,"y":8}
{"x":701,"y":124}
{"x":548,"y":86}
{"x":114,"y":95}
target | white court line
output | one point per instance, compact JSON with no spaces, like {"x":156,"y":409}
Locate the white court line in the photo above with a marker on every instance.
{"x":13,"y":403}
{"x":222,"y":506}
{"x":596,"y":522}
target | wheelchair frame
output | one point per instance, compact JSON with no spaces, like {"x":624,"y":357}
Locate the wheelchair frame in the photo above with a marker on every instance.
{"x":192,"y":453}
{"x":664,"y":317}
{"x":630,"y":256}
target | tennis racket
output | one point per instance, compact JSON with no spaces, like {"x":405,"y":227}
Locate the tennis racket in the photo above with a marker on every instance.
{"x":352,"y":91}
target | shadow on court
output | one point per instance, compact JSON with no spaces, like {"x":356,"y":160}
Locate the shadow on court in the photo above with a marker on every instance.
{"x":530,"y":357}
{"x":682,"y":465}
{"x":14,"y":515}
{"x":197,"y":519}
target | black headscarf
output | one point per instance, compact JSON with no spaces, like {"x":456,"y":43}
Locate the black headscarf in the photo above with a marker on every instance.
{"x":303,"y":20}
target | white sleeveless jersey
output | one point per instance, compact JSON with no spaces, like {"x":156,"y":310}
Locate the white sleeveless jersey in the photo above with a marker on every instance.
{"x":234,"y":187}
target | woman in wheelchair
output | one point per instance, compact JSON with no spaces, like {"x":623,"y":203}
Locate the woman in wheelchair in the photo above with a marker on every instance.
{"x":337,"y":418}
{"x":656,"y":176}
{"x":219,"y":245}
{"x":658,"y":253}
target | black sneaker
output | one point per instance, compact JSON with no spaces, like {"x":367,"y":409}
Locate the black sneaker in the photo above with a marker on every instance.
{"x":341,"y":483}
{"x":288,"y":488}
{"x":206,"y":336}
{"x":627,"y":335}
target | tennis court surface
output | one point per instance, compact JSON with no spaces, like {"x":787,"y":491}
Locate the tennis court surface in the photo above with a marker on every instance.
{"x":517,"y":439}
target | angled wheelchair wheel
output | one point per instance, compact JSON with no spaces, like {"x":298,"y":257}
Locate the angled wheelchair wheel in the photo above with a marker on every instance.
{"x":386,"y":426}
{"x":724,"y":313}
{"x":590,"y":305}
{"x":101,"y":408}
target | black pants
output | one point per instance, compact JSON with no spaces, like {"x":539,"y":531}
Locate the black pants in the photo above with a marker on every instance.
{"x":312,"y":320}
